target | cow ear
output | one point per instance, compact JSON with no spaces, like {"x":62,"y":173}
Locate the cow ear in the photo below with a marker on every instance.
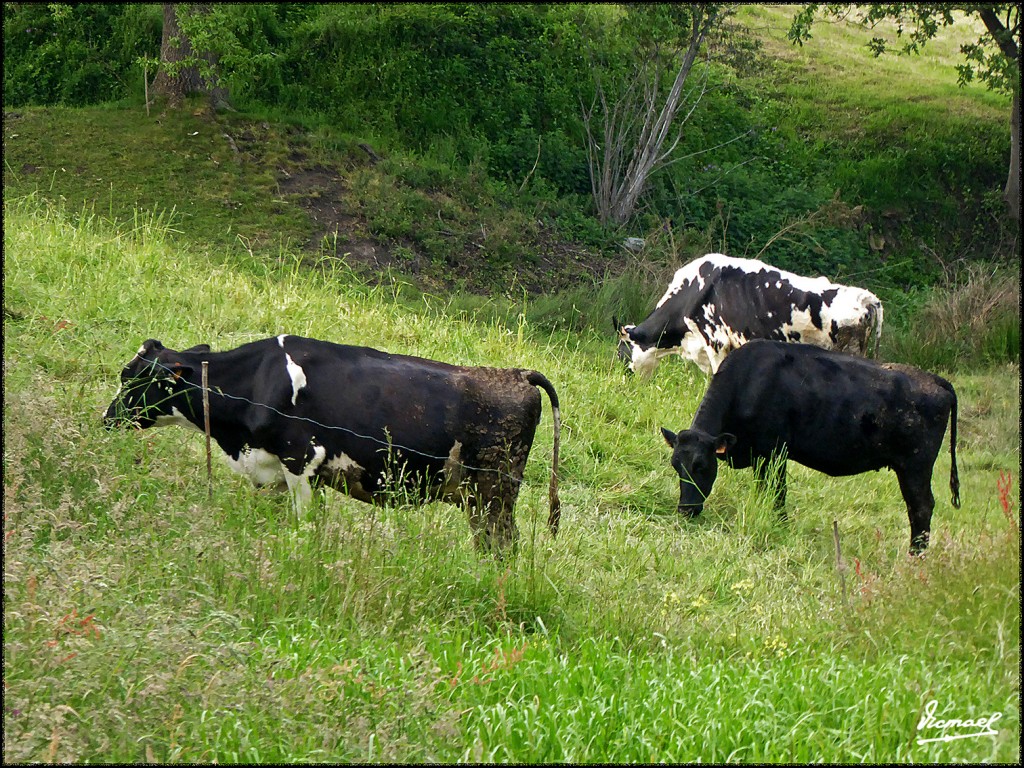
{"x":724,"y":443}
{"x":670,"y":437}
{"x":149,"y":345}
{"x":178,"y":370}
{"x":198,"y":348}
{"x":615,"y":324}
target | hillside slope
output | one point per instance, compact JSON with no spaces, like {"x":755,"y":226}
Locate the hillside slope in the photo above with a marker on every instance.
{"x":876,"y":170}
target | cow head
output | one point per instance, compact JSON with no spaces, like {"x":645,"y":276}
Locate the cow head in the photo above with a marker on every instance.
{"x":638,"y":358}
{"x":695,"y":457}
{"x":154,"y":389}
{"x":624,"y":351}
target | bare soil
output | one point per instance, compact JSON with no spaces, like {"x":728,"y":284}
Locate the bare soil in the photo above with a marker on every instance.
{"x":323,"y":192}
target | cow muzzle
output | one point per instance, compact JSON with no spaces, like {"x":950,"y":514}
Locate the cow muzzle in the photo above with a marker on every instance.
{"x":690,"y":510}
{"x":117,"y":416}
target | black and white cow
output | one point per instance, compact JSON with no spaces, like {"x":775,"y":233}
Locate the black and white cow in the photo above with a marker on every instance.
{"x":833,"y":412}
{"x":298,"y":413}
{"x":717,"y":303}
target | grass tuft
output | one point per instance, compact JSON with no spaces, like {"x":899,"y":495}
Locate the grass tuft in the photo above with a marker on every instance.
{"x":146,"y":622}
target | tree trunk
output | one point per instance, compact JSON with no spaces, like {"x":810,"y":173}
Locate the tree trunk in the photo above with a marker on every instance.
{"x":636,"y":127}
{"x":1011,"y":194}
{"x":179,"y":74}
{"x":1007,"y":43}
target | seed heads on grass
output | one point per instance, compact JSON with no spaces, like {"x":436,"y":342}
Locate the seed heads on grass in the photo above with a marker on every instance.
{"x":1005,"y":484}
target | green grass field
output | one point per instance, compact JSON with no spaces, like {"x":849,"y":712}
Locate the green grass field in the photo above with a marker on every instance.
{"x":147,"y":621}
{"x":144,"y":621}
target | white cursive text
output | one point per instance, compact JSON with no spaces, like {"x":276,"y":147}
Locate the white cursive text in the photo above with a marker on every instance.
{"x":980,"y":726}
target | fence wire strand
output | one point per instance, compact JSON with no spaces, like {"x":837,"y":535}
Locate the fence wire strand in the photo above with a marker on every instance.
{"x":155,"y":364}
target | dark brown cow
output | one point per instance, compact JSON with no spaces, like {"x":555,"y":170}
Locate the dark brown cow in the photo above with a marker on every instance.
{"x":297,"y":413}
{"x":830,"y":411}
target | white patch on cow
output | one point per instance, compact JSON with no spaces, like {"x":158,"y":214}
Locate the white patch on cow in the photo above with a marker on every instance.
{"x":280,"y":340}
{"x":851,"y":306}
{"x":342,"y":463}
{"x":695,"y":347}
{"x":264,"y":468}
{"x":641,"y":361}
{"x":299,"y":485}
{"x":261,"y":467}
{"x":646,"y":360}
{"x":175,"y":417}
{"x":297,"y":375}
{"x":800,"y":322}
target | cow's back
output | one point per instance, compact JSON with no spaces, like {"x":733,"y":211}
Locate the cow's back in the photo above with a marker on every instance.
{"x":754,"y":300}
{"x":413,"y":401}
{"x":838,"y":413}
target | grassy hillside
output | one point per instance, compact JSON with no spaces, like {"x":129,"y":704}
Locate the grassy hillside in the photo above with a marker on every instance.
{"x":146,"y":621}
{"x":876,"y":171}
{"x":143,"y":621}
{"x":896,"y":133}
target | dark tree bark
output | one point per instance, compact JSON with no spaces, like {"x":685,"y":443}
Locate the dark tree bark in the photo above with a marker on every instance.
{"x":180,"y":74}
{"x":1005,"y":40}
{"x":1011,"y":194}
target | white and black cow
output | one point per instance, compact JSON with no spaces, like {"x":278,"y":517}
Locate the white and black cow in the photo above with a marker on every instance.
{"x":717,"y":303}
{"x":833,"y":412}
{"x":298,"y":413}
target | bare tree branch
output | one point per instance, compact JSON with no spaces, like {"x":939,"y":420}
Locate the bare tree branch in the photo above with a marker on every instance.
{"x":640,"y":130}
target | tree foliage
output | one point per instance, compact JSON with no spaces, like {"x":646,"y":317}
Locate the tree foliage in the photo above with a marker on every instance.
{"x":994,"y":59}
{"x":637,"y":120}
{"x":75,"y":54}
{"x":494,"y":91}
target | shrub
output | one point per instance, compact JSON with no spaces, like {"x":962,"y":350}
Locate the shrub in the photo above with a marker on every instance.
{"x":972,"y":320}
{"x":76,"y":54}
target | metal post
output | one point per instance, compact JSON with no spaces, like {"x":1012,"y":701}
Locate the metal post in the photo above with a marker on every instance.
{"x":206,"y":425}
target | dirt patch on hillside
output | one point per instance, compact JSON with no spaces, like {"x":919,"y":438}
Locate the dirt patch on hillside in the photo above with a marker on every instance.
{"x":339,"y":230}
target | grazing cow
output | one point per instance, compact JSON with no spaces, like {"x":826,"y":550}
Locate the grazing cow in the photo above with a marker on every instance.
{"x":717,"y":303}
{"x":830,"y":411}
{"x":296,"y":413}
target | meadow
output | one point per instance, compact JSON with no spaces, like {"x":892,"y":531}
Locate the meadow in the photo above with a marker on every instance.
{"x":150,"y":618}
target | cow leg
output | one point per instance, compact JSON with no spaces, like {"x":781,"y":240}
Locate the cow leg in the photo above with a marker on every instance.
{"x":771,"y":477}
{"x":300,"y":483}
{"x":491,"y":508}
{"x":916,"y":488}
{"x":301,"y":491}
{"x":493,"y":525}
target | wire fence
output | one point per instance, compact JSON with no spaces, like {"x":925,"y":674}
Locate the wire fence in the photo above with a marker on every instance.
{"x":387,"y":444}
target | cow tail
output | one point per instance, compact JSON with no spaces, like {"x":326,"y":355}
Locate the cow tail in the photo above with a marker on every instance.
{"x":877,"y":323}
{"x":954,"y":478}
{"x":555,"y":506}
{"x":872,"y":324}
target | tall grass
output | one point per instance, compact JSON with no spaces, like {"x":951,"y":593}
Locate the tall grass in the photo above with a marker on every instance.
{"x":974,"y":319}
{"x":143,"y":621}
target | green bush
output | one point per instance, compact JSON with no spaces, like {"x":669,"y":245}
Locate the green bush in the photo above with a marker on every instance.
{"x":504,"y":74}
{"x":972,"y":321}
{"x":78,"y":54}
